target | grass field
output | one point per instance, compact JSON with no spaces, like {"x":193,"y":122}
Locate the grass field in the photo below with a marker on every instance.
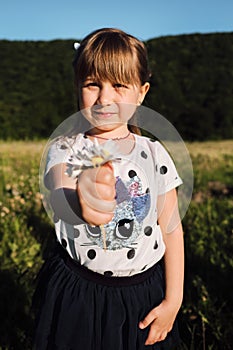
{"x":206,"y":315}
{"x":211,"y":148}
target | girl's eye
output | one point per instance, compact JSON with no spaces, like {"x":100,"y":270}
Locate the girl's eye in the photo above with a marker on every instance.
{"x":91,"y":84}
{"x":118,"y":86}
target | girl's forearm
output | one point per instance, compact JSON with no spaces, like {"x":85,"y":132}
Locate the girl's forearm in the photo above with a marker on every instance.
{"x":174,"y":267}
{"x":66,"y":206}
{"x":170,"y":223}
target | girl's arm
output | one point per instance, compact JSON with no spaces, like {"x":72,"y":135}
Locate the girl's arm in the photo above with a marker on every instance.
{"x":162,"y":317}
{"x":63,"y":195}
{"x":90,"y":200}
{"x":170,"y":223}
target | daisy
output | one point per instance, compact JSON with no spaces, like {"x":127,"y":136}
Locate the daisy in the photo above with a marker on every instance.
{"x":91,"y":155}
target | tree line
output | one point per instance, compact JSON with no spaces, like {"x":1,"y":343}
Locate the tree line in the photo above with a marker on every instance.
{"x":191,"y":85}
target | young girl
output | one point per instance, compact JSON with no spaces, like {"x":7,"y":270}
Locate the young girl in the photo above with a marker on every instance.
{"x":116,"y":280}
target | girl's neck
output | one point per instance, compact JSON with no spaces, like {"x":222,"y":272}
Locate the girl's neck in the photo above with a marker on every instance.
{"x":116,"y":135}
{"x":125,"y":141}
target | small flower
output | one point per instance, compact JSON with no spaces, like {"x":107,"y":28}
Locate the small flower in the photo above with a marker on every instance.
{"x":91,"y":155}
{"x":5,"y":210}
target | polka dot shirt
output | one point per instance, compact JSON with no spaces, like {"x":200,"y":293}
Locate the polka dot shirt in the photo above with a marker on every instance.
{"x":133,"y":240}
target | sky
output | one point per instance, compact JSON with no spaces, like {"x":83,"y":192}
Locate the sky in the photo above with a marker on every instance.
{"x":145,"y":19}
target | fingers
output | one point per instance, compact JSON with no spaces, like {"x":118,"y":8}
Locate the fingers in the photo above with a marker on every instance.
{"x":96,"y":191}
{"x":95,"y":201}
{"x":93,"y":217}
{"x":148,"y":319}
{"x":159,"y":327}
{"x":100,"y":182}
{"x":105,"y":175}
{"x":151,"y":317}
{"x":155,"y":336}
{"x":101,"y":175}
{"x":98,"y":195}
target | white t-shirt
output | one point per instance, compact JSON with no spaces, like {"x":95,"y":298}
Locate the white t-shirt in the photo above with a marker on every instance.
{"x":133,"y":238}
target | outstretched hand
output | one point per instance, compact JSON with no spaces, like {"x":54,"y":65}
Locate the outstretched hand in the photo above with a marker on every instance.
{"x":160,"y":319}
{"x":96,"y":191}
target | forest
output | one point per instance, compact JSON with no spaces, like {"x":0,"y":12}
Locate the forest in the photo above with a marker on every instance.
{"x":191,"y":85}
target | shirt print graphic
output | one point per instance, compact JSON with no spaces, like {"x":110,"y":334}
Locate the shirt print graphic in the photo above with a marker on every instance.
{"x":132,"y":207}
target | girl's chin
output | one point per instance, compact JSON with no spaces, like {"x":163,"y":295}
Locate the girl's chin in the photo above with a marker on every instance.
{"x":107,"y":127}
{"x":107,"y":124}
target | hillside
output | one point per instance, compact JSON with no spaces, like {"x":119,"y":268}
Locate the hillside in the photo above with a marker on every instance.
{"x":191,"y":85}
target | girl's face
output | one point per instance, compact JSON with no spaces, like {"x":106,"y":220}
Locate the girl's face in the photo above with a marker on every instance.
{"x":108,"y":106}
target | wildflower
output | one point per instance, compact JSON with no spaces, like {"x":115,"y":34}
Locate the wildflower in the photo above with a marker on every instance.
{"x":4,"y":211}
{"x":8,"y":187}
{"x":91,"y":156}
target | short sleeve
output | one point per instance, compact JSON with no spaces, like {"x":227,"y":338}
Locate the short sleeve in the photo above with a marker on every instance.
{"x":168,"y":177}
{"x":61,"y":149}
{"x":56,"y":155}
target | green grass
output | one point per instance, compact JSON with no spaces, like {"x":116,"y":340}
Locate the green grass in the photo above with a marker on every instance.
{"x":206,"y":314}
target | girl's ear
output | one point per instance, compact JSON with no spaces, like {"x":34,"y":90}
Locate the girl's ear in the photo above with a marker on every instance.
{"x":143,"y":91}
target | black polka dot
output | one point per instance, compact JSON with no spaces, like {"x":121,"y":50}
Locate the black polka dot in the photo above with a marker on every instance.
{"x":163,"y":170}
{"x":91,"y":254}
{"x":148,"y":230}
{"x":148,"y":190}
{"x":156,"y":245}
{"x":76,"y":233}
{"x":64,"y":243}
{"x":156,"y":167}
{"x":144,"y":268}
{"x":108,"y":273}
{"x":143,"y":154}
{"x":131,"y":254}
{"x":63,"y":147}
{"x":132,"y":173}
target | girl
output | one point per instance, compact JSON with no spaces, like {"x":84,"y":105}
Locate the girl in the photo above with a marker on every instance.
{"x":116,"y":280}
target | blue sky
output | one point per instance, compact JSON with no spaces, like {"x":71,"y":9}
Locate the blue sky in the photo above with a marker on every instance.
{"x":69,"y":19}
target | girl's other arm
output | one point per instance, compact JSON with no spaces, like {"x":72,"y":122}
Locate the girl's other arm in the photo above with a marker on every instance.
{"x":170,"y":223}
{"x":162,"y":317}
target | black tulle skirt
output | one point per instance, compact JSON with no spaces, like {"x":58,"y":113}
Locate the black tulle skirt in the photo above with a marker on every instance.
{"x":77,"y":309}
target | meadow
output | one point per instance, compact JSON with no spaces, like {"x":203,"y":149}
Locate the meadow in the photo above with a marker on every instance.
{"x":26,"y":234}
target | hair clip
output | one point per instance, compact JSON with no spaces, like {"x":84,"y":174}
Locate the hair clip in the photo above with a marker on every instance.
{"x":76,"y":45}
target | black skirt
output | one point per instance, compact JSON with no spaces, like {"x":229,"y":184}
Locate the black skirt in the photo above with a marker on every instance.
{"x":78,"y":309}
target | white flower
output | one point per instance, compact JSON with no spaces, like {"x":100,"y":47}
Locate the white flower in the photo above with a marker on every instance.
{"x":91,"y":155}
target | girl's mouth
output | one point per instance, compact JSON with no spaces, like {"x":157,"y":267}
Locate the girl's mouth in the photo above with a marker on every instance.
{"x":104,"y":115}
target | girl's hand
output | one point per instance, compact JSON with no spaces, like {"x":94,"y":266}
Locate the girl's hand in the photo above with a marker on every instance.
{"x":161,"y":320}
{"x":96,"y":191}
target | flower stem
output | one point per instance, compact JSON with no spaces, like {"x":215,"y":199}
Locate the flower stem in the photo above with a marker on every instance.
{"x":104,"y":236}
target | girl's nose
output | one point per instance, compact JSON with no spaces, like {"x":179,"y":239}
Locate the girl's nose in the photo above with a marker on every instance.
{"x":105,"y":94}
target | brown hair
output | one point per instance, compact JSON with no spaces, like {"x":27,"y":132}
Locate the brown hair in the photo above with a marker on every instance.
{"x":113,"y":55}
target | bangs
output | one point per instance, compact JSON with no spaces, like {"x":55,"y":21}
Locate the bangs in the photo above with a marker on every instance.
{"x":111,"y":59}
